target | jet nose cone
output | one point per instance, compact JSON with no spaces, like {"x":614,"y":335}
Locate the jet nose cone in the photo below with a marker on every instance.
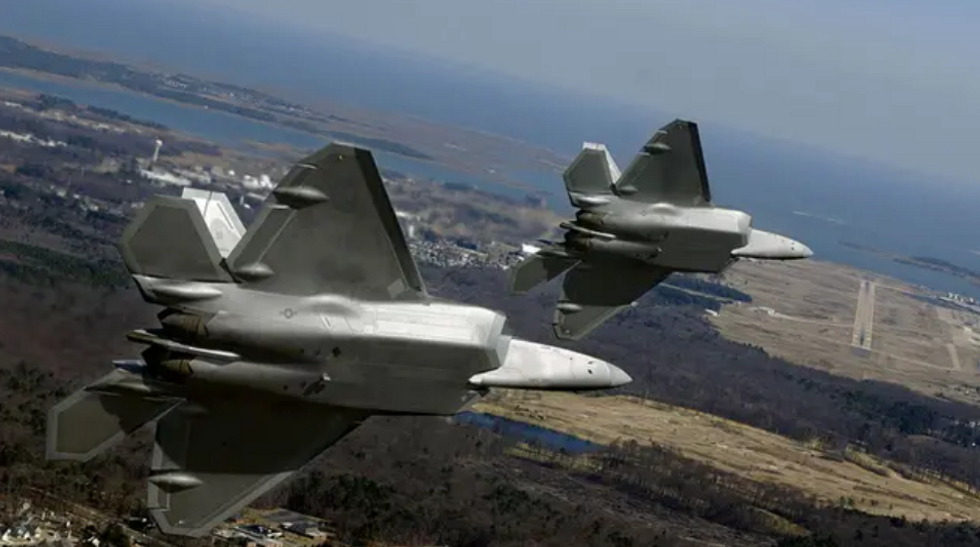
{"x":769,"y":246}
{"x":617,"y":376}
{"x":798,"y":250}
{"x":792,"y":249}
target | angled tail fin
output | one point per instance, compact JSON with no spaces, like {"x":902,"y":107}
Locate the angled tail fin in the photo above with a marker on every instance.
{"x":331,"y":202}
{"x":171,"y":237}
{"x":590,"y":177}
{"x":222,"y":221}
{"x":669,"y":168}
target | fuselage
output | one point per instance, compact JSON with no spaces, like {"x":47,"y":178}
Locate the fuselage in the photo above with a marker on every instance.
{"x":696,"y":239}
{"x":687,"y":239}
{"x":417,"y":357}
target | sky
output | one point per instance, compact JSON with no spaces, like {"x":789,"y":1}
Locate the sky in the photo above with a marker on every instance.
{"x":892,"y":81}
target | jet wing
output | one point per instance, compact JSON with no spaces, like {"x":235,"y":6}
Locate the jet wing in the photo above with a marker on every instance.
{"x":593,"y":292}
{"x":669,"y":169}
{"x":329,"y":227}
{"x":210,"y":462}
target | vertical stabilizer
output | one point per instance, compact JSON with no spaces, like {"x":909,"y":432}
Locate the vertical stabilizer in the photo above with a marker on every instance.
{"x":220,"y":217}
{"x":329,"y":227}
{"x":590,"y":177}
{"x":611,"y":167}
{"x":669,"y":168}
{"x":169,"y":239}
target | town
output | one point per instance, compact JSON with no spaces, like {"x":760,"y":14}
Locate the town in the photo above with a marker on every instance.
{"x":49,"y":128}
{"x":56,"y":523}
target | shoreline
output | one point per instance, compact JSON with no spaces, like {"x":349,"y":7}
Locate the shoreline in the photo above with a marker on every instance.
{"x":98,"y":85}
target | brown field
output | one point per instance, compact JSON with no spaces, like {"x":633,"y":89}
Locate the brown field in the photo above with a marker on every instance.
{"x":805,"y":313}
{"x":872,"y":485}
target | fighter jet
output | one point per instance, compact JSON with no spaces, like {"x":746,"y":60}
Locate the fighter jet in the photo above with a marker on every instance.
{"x":276,"y":341}
{"x":633,"y":229}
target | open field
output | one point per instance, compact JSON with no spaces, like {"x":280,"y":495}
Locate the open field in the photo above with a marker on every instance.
{"x":870,"y":484}
{"x":854,"y":323}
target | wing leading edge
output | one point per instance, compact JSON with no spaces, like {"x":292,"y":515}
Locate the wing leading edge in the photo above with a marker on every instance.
{"x":593,"y":292}
{"x":210,"y":462}
{"x":329,"y":227}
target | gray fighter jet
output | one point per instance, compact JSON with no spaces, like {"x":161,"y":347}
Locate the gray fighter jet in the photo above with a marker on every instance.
{"x":633,"y":229}
{"x":277,"y":341}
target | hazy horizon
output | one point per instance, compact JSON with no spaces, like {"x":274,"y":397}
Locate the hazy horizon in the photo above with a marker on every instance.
{"x":851,"y":77}
{"x":888,"y":206}
{"x":904,"y":123}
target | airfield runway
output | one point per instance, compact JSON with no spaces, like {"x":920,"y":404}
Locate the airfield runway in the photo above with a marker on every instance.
{"x":864,"y":316}
{"x":891,"y":332}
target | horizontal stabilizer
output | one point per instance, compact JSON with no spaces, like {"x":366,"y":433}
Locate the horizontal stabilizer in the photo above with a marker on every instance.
{"x":590,"y":176}
{"x":169,"y":238}
{"x":220,"y":217}
{"x":593,"y":293}
{"x":669,"y":169}
{"x":88,"y":423}
{"x":210,"y":462}
{"x":537,"y":269}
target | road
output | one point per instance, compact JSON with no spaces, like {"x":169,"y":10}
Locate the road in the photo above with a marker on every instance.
{"x":864,"y":316}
